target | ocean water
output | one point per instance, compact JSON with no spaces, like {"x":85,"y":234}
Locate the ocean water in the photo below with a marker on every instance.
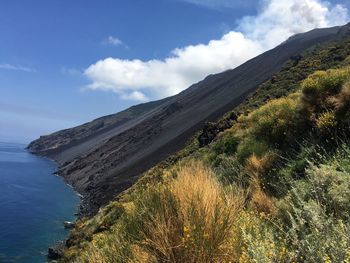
{"x":33,"y":205}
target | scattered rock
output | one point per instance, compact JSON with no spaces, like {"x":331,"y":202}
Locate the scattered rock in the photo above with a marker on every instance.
{"x":55,"y":252}
{"x":68,"y":224}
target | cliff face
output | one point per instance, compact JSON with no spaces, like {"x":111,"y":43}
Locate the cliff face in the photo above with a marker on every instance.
{"x":104,"y":157}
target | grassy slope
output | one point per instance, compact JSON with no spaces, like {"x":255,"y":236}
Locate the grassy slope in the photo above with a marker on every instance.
{"x":260,"y":158}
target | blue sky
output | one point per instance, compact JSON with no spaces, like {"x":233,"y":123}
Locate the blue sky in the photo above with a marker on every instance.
{"x":65,"y":62}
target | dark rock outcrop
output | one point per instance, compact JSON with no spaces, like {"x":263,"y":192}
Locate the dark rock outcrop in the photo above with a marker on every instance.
{"x":210,"y":130}
{"x":68,"y":224}
{"x":56,"y":252}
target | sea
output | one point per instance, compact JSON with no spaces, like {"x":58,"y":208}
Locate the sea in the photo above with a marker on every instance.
{"x":34,"y":203}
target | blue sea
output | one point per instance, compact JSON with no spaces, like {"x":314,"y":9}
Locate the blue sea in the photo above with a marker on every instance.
{"x":34,"y":203}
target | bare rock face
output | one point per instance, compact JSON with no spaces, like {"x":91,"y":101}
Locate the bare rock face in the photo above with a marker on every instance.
{"x":55,"y":252}
{"x":104,"y":157}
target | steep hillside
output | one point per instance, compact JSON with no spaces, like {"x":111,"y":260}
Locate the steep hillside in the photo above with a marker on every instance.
{"x":103,"y":166}
{"x":90,"y":133}
{"x":272,"y":187}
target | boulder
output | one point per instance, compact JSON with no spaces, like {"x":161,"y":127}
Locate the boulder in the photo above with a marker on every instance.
{"x":68,"y":224}
{"x":55,"y":252}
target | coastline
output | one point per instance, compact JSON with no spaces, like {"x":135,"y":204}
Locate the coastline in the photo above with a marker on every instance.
{"x":55,"y":251}
{"x":56,"y":173}
{"x":35,"y":204}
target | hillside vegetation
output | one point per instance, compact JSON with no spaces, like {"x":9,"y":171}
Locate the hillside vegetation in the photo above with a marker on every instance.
{"x":272,"y":184}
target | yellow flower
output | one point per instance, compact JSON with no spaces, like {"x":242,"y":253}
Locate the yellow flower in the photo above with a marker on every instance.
{"x":327,"y":259}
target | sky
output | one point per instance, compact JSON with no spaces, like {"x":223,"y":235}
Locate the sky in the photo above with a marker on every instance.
{"x":66,"y":62}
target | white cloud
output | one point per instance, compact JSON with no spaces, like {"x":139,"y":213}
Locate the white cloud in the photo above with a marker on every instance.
{"x":280,"y":19}
{"x":114,"y":41}
{"x":16,"y":67}
{"x":275,"y":22}
{"x":172,"y":75}
{"x":135,"y":95}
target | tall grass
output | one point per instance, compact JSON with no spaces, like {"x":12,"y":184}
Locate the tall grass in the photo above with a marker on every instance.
{"x":190,"y":219}
{"x":195,"y":220}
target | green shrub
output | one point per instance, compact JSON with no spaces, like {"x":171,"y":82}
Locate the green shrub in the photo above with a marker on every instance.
{"x":275,"y":122}
{"x":316,"y":212}
{"x":231,"y":170}
{"x":324,"y":82}
{"x":261,"y":241}
{"x":326,"y":122}
{"x":226,"y":143}
{"x":318,"y":89}
{"x":250,"y":147}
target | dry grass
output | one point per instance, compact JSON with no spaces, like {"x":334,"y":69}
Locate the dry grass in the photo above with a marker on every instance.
{"x":196,"y":219}
{"x":342,"y":101}
{"x":262,"y":203}
{"x":257,"y":167}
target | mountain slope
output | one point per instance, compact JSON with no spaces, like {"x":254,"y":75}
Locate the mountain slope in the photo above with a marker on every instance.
{"x":88,"y":134}
{"x":111,"y":161}
{"x":271,"y":187}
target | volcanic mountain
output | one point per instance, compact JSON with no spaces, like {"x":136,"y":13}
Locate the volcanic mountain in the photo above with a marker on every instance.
{"x":104,"y":157}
